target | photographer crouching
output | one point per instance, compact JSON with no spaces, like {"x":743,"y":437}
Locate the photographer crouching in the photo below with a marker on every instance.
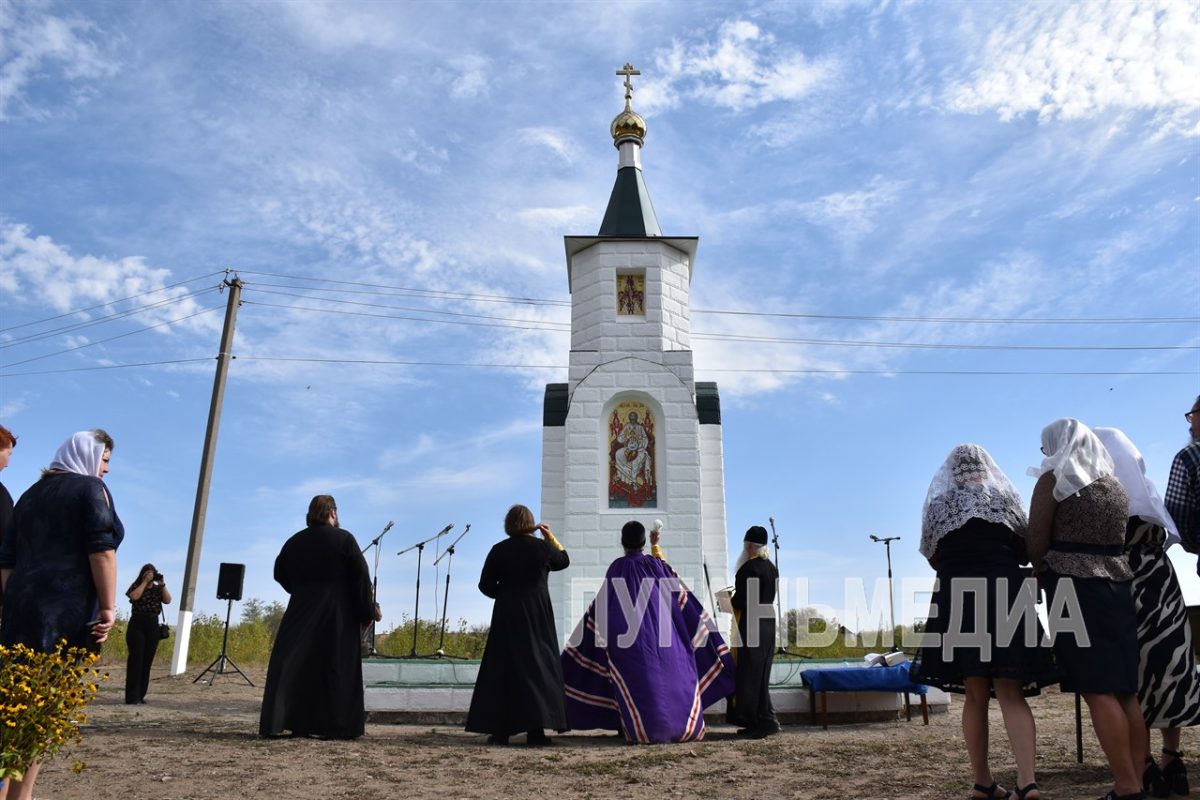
{"x":147,"y":594}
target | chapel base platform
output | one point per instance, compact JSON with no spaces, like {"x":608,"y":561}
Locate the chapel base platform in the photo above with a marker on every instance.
{"x":438,"y":691}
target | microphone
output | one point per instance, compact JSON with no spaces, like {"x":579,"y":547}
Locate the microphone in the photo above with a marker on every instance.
{"x":772,"y":521}
{"x":445,"y":529}
{"x":388,"y":527}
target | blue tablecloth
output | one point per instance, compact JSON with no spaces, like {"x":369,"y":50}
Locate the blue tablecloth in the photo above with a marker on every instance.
{"x":862,"y":679}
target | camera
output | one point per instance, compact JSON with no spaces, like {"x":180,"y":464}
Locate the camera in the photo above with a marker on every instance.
{"x":158,"y":577}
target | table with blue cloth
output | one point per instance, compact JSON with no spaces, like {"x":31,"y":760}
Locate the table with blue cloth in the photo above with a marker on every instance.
{"x":861,"y":679}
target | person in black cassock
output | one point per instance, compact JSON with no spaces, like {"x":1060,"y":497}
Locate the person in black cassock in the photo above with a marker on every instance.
{"x":314,"y":679}
{"x":754,"y":587}
{"x":520,"y":683}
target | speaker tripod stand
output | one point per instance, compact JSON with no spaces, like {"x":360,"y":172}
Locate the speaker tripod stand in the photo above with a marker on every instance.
{"x":218,"y":666}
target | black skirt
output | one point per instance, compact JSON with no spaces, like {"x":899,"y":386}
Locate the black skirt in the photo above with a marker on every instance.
{"x":1095,"y":638}
{"x":976,"y":628}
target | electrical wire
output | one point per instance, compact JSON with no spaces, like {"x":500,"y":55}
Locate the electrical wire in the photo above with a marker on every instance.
{"x":563,"y":327}
{"x":111,"y":302}
{"x":533,"y":326}
{"x":372,"y":288}
{"x":107,"y":318}
{"x":399,"y":308}
{"x":109,"y":339}
{"x":108,"y":366}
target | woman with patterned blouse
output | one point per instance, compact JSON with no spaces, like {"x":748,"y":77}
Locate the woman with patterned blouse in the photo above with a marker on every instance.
{"x":1077,"y":520}
{"x":147,"y":594}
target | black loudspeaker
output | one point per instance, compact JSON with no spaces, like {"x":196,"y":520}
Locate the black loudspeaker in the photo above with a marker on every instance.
{"x":229,"y":581}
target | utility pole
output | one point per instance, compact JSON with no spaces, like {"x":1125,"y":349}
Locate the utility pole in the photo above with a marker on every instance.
{"x":183,"y":630}
{"x":887,"y":543}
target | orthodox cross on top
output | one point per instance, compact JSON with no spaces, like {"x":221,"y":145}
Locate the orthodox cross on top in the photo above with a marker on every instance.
{"x":627,"y":71}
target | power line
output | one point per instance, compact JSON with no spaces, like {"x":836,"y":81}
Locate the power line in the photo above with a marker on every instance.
{"x":776,"y":370}
{"x":432,"y":292}
{"x":372,"y":288}
{"x":34,"y":337}
{"x":562,"y":327}
{"x":742,"y":370}
{"x":936,"y":346}
{"x":531,"y":326}
{"x":399,"y":308}
{"x":109,"y":366}
{"x":110,"y":302}
{"x":109,"y":339}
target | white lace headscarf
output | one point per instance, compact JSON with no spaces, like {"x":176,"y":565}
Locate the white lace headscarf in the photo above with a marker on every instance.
{"x":1144,"y":499}
{"x":968,"y":485}
{"x":1075,"y":456}
{"x":80,"y":454}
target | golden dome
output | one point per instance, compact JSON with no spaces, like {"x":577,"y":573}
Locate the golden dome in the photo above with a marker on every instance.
{"x":628,"y":123}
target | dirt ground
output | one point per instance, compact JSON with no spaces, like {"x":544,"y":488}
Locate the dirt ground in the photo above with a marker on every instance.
{"x":199,"y":741}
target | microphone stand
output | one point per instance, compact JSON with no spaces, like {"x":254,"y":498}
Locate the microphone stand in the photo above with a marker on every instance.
{"x":780,"y":648}
{"x":420,"y":548}
{"x":449,"y":551}
{"x":377,"y":543}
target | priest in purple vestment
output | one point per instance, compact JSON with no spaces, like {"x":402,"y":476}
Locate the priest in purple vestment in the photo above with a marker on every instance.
{"x":646,"y":659}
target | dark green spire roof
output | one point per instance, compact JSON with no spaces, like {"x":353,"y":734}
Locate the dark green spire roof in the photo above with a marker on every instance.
{"x":630,"y":212}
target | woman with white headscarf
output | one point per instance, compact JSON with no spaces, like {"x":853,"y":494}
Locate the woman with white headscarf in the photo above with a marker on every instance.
{"x":1077,"y":520}
{"x":1168,"y":684}
{"x":972,"y":532}
{"x":58,"y":564}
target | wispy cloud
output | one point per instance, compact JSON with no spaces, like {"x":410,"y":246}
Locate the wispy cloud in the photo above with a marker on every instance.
{"x":742,"y":67}
{"x":39,"y":48}
{"x":1079,"y":60}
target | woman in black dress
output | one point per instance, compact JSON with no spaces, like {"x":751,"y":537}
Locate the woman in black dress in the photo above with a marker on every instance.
{"x":58,"y":563}
{"x":147,"y":595}
{"x":520,"y":683}
{"x":972,"y":531}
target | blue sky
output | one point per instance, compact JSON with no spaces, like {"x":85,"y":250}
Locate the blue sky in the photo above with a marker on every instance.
{"x":857,"y":172}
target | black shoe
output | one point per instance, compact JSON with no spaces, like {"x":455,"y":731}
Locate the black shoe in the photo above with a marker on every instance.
{"x":763,"y":731}
{"x":501,"y":741}
{"x":1022,"y":791}
{"x":1152,"y":780}
{"x":538,"y":739}
{"x":1175,"y":773}
{"x":745,"y":732}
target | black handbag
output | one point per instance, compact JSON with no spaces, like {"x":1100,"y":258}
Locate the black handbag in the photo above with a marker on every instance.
{"x":164,"y":630}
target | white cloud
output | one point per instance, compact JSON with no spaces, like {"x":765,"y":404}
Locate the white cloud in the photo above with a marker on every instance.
{"x":853,"y":212}
{"x":38,"y":47}
{"x":471,"y":78}
{"x":743,"y":68}
{"x":1079,"y":60}
{"x":337,"y":26}
{"x":557,"y":142}
{"x":37,"y":269}
{"x":557,"y":218}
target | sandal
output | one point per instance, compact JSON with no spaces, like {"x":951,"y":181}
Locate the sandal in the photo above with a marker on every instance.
{"x":1153,"y":783}
{"x":1175,"y":773}
{"x":989,"y":792}
{"x":1022,"y":791}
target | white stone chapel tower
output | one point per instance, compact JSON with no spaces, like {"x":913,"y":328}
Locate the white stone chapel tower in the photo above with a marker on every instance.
{"x":632,"y":435}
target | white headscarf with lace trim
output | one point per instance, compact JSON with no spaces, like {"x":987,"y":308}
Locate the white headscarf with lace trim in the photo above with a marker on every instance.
{"x":80,"y":454}
{"x":1075,"y":456}
{"x":1144,"y":499}
{"x":968,"y":485}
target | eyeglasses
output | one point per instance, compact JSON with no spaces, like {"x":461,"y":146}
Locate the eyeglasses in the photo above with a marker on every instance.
{"x":1043,"y":449}
{"x":1189,"y":414}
